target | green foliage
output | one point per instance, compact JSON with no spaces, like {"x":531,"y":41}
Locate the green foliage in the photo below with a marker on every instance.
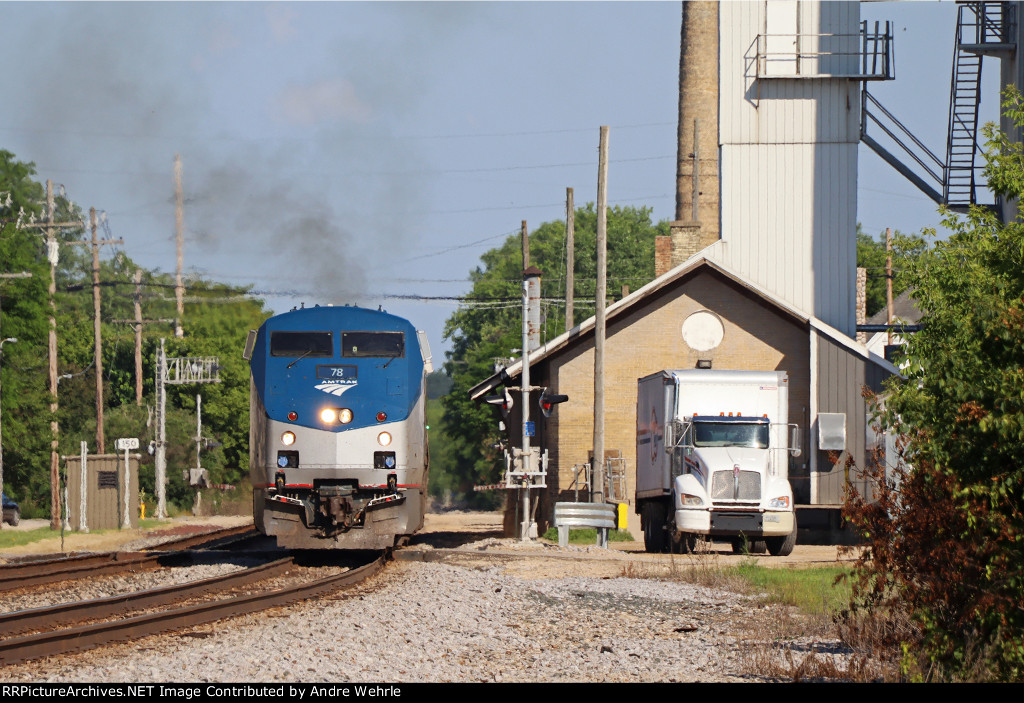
{"x":947,"y":542}
{"x":441,"y":480}
{"x":490,"y":326}
{"x":216,"y":321}
{"x":438,"y":384}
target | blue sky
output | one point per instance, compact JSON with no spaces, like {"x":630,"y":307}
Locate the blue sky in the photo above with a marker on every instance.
{"x":353,"y":152}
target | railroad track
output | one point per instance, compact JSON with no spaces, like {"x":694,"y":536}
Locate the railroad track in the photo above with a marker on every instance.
{"x":36,"y":573}
{"x":166,"y":619}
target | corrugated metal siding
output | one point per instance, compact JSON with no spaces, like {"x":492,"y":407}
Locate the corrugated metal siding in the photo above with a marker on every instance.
{"x":789,"y":167}
{"x":788,"y":223}
{"x":842,"y":375}
{"x":104,"y":508}
{"x":786,"y":111}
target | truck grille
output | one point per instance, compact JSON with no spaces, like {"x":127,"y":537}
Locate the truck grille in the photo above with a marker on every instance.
{"x":724,"y":486}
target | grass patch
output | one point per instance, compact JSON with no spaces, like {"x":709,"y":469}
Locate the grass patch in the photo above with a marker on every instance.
{"x":152,"y":522}
{"x":588,"y":535}
{"x":17,"y":538}
{"x":813,"y":590}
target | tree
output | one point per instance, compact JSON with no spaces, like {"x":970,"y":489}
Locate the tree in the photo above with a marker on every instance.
{"x":488,"y":326}
{"x":946,"y":543}
{"x":23,"y":315}
{"x":217,"y":318}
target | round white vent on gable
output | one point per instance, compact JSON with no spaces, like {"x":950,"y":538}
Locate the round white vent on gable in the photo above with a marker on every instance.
{"x":703,"y":330}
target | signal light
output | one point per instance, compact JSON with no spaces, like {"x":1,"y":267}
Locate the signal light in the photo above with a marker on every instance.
{"x":504,"y":401}
{"x":548,"y":401}
{"x":293,"y":416}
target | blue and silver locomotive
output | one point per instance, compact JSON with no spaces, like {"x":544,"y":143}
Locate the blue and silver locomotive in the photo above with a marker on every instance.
{"x":337,"y":439}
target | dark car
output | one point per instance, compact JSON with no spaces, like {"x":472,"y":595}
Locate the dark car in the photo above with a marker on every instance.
{"x":12,"y":513}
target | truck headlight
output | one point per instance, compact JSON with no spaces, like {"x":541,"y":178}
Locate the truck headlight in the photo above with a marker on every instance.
{"x":689,"y":500}
{"x":780,"y":503}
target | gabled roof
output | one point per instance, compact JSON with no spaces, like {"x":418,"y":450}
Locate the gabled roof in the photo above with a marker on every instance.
{"x":680,"y":272}
{"x":904,"y":309}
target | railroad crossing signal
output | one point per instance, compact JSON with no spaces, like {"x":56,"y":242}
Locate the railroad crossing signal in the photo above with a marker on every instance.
{"x":548,"y":401}
{"x":504,"y":401}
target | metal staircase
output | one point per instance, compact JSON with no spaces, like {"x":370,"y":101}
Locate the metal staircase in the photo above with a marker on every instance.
{"x":982,"y":28}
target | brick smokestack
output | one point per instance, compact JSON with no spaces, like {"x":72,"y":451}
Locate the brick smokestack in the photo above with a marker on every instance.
{"x":697,"y":190}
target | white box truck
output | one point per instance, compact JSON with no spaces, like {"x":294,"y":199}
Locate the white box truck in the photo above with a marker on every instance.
{"x":712,"y":459}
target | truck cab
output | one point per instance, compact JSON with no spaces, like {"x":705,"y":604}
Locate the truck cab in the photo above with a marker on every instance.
{"x":721,"y":469}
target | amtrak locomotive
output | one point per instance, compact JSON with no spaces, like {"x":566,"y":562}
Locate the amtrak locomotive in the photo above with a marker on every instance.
{"x":337,"y":438}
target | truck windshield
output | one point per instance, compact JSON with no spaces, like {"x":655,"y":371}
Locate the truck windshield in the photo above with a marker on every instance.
{"x":730,"y":434}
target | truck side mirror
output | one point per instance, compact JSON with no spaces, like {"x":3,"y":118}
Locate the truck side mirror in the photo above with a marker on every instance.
{"x":794,"y":441}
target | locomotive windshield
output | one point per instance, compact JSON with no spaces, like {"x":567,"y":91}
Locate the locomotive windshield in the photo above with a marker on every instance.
{"x":730,"y":434}
{"x":301,"y":344}
{"x":390,"y":345}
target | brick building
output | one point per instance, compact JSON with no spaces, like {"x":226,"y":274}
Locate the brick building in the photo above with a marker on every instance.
{"x":645,"y":334}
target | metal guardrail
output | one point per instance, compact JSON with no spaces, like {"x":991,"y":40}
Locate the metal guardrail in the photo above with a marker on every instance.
{"x":601,"y":516}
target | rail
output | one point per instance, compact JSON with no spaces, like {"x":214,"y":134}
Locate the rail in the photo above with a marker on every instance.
{"x":865,"y":56}
{"x":78,"y":639}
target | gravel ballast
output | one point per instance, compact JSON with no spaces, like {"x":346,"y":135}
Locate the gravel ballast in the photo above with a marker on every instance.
{"x":492,"y":610}
{"x":421,"y":622}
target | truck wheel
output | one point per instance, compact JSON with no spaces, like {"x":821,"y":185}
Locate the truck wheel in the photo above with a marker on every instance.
{"x":782,"y":546}
{"x":653,"y":517}
{"x":15,"y":518}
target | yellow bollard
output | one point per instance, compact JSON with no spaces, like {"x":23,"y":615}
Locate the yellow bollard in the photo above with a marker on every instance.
{"x":622,"y":517}
{"x":143,"y":507}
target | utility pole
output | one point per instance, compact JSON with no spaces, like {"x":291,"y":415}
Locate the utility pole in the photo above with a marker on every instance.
{"x":137,"y":324}
{"x":160,"y":458}
{"x":52,"y":254}
{"x":599,"y":328}
{"x":525,"y":237}
{"x":527,"y":458}
{"x":179,"y":222}
{"x":138,"y":337}
{"x":97,"y":336}
{"x":889,"y":307}
{"x":570,"y":258}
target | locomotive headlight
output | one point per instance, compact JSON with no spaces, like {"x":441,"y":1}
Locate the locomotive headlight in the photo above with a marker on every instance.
{"x":288,"y":439}
{"x":328,"y":416}
{"x":344,"y":416}
{"x":384,"y":439}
